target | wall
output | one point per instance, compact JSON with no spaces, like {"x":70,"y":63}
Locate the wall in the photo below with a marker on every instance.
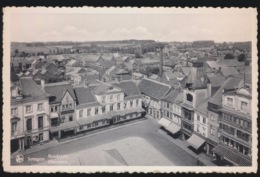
{"x":214,"y":124}
{"x":199,"y":126}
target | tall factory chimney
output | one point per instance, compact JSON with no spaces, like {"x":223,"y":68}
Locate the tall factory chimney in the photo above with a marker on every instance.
{"x":161,"y":62}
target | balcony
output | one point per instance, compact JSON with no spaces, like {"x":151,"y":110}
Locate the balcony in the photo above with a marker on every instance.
{"x":16,"y":134}
{"x":235,"y":137}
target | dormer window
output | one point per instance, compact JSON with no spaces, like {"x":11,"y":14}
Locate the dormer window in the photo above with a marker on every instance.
{"x":189,"y":97}
{"x":230,"y":101}
{"x":244,"y":105}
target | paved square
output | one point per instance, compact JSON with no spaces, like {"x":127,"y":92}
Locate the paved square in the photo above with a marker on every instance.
{"x":132,"y":151}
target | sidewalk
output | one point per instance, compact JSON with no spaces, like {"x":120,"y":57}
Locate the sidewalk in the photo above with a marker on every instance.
{"x":56,"y":142}
{"x":184,"y":145}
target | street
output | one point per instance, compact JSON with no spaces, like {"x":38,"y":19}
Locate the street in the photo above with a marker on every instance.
{"x":145,"y":130}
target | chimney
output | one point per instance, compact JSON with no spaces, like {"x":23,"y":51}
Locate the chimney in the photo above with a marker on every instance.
{"x":42,"y":83}
{"x":209,"y":89}
{"x":161,"y":62}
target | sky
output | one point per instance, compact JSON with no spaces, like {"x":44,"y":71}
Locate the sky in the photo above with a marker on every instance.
{"x":29,"y":26}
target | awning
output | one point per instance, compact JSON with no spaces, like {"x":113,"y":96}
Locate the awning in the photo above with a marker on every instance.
{"x":54,"y":115}
{"x":64,"y":126}
{"x":231,"y":156}
{"x":164,"y":122}
{"x":173,"y":128}
{"x":195,"y":141}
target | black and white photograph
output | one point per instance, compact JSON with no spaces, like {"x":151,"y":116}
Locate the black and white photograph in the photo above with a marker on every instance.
{"x":118,"y":89}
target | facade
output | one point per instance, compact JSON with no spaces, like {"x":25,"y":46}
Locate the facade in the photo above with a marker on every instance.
{"x":62,"y":103}
{"x":214,"y":105}
{"x":106,"y":104}
{"x":171,"y":110}
{"x":142,"y":64}
{"x":29,"y":115}
{"x":153,"y":91}
{"x":196,"y":91}
{"x":235,"y":126}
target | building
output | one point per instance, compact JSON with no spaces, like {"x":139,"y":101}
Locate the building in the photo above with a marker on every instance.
{"x":62,"y":102}
{"x":142,"y":64}
{"x":235,"y":126}
{"x":171,"y":111}
{"x":200,"y":127}
{"x":153,"y":91}
{"x":29,"y":115}
{"x":214,"y":104}
{"x":105,"y":104}
{"x":195,"y":92}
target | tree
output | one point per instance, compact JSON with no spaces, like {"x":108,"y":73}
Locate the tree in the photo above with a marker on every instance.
{"x":241,"y":57}
{"x":229,"y":56}
{"x":16,"y":52}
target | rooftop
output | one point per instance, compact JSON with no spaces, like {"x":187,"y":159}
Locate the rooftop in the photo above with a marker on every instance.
{"x":153,"y":88}
{"x":30,"y":89}
{"x":57,"y":90}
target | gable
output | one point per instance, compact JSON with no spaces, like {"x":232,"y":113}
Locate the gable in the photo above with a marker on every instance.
{"x":244,"y":91}
{"x":66,"y":97}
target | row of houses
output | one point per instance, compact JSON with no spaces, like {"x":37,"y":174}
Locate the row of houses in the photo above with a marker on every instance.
{"x":212,"y":114}
{"x":55,"y":110}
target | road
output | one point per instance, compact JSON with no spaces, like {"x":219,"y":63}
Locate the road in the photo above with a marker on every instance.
{"x":146,"y":129}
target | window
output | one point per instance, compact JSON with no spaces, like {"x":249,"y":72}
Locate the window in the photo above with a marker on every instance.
{"x":62,"y":119}
{"x":96,"y":111}
{"x":168,"y":105}
{"x":168,"y":115}
{"x":14,"y":111}
{"x":124,"y":105}
{"x":40,"y":122}
{"x":70,"y":117}
{"x":131,"y":103}
{"x":211,"y":130}
{"x":29,"y":124}
{"x":111,"y":97}
{"x":63,"y":107}
{"x":118,"y":106}
{"x":67,"y":106}
{"x":52,"y":109}
{"x":198,"y":128}
{"x":88,"y":111}
{"x":187,"y":115}
{"x":230,"y":101}
{"x":70,"y":105}
{"x":41,"y":136}
{"x":28,"y":108}
{"x":198,"y":117}
{"x":80,"y":113}
{"x":204,"y":120}
{"x":56,"y":108}
{"x":111,"y":107}
{"x":103,"y":109}
{"x":212,"y":117}
{"x":14,"y":127}
{"x":243,"y":106}
{"x":189,"y":97}
{"x":40,"y":106}
{"x":118,"y":97}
